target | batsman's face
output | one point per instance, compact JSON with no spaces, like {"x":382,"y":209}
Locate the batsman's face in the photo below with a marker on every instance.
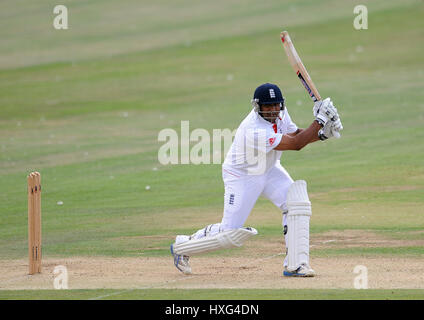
{"x":270,"y":112}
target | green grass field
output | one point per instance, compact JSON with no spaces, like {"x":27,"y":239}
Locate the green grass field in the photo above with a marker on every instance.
{"x":84,"y":107}
{"x":235,"y":294}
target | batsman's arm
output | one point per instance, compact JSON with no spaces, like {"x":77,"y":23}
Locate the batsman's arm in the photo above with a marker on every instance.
{"x":296,"y":132}
{"x":300,"y":139}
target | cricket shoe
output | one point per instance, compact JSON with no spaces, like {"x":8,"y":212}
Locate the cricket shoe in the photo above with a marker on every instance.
{"x":303,"y":271}
{"x":181,"y":262}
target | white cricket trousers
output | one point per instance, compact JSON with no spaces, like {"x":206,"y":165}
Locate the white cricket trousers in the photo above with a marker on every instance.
{"x":242,"y":192}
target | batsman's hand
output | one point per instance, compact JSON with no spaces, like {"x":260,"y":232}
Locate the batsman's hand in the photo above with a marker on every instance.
{"x":324,"y":111}
{"x":331,"y":129}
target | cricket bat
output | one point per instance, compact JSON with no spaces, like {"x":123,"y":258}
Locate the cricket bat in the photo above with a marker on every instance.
{"x":300,"y":69}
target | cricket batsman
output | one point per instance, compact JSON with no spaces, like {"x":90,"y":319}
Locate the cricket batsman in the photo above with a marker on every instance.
{"x":251,"y":169}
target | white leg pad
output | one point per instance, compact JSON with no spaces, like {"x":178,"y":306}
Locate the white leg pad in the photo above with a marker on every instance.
{"x":222,"y":240}
{"x":298,"y":216}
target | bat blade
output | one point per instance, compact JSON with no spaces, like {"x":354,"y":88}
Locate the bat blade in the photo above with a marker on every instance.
{"x":298,"y":67}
